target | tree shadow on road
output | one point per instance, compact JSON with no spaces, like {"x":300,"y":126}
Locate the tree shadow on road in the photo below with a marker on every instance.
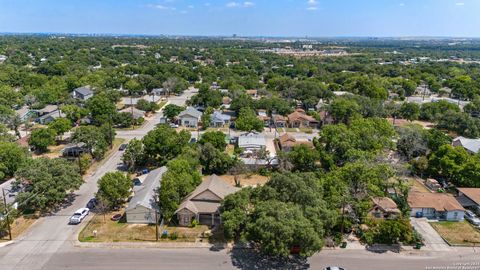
{"x":251,"y":259}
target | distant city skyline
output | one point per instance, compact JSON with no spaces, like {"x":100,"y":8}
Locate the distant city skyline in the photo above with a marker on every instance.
{"x":272,"y":18}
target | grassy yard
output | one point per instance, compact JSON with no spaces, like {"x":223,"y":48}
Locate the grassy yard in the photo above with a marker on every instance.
{"x":291,"y":129}
{"x":162,"y":103}
{"x":306,"y":130}
{"x":458,"y":233}
{"x":19,"y":226}
{"x":246,"y":179}
{"x":120,"y":231}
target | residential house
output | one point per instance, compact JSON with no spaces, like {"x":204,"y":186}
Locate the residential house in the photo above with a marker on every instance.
{"x":190,"y":117}
{"x":279,"y":121}
{"x":287,"y":142}
{"x":226,"y":101}
{"x":25,"y":113}
{"x":47,"y":109}
{"x":158,"y":92}
{"x":435,"y":205}
{"x":47,"y":118}
{"x":136,"y":113}
{"x":253,"y":93}
{"x":262,"y":115}
{"x":299,"y":119}
{"x":74,"y":150}
{"x":143,"y":208}
{"x":252,"y":141}
{"x":471,"y":145}
{"x":203,"y":203}
{"x":469,"y":198}
{"x":384,"y":208}
{"x":219,"y":119}
{"x":82,"y":93}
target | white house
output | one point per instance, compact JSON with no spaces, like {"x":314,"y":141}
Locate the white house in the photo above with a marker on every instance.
{"x":435,"y":205}
{"x":143,"y":208}
{"x":471,"y":145}
{"x":252,"y":141}
{"x":190,"y":117}
{"x":219,"y":119}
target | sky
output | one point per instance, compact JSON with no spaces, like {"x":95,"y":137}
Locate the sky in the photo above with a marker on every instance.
{"x":283,"y":18}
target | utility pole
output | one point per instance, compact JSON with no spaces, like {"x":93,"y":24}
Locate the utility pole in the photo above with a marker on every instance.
{"x":6,"y":214}
{"x":156,"y":225}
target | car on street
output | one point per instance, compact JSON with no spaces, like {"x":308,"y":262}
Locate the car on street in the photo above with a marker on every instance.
{"x":79,"y":215}
{"x":334,"y":268}
{"x":92,"y":203}
{"x":173,"y":125}
{"x":472,"y":218}
{"x":123,"y":146}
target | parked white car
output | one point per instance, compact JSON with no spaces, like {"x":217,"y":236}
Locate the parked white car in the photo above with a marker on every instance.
{"x":79,"y":215}
{"x":472,"y":218}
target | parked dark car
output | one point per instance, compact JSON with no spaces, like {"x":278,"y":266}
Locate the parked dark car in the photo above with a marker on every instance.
{"x":123,"y":146}
{"x":116,"y":217}
{"x":92,"y":203}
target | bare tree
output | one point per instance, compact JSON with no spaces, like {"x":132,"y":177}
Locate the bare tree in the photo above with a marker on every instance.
{"x":238,"y":168}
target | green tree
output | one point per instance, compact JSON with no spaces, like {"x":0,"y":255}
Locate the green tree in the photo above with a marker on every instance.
{"x":12,"y":157}
{"x":164,"y":143}
{"x":180,"y":179}
{"x":207,"y":117}
{"x":303,"y":158}
{"x":412,"y":141}
{"x":171,"y":111}
{"x":93,"y":138}
{"x":41,"y":138}
{"x":46,"y":183}
{"x":134,"y":155}
{"x":114,"y":187}
{"x":101,"y":108}
{"x":247,"y":121}
{"x":213,"y":160}
{"x":60,"y":125}
{"x":216,"y":138}
{"x":410,"y":111}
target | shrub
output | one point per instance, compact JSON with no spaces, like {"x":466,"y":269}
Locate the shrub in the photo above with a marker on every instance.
{"x":173,"y":236}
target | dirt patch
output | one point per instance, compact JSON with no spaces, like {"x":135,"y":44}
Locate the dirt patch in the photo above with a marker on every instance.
{"x":19,"y":226}
{"x":246,"y":180}
{"x":106,"y":230}
{"x":417,"y":186}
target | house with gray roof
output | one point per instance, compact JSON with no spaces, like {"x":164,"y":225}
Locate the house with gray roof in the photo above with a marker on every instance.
{"x":219,"y":119}
{"x":143,"y":208}
{"x":252,"y":141}
{"x":471,"y":145}
{"x":82,"y":93}
{"x":136,"y":113}
{"x":203,"y":203}
{"x":49,"y":117}
{"x":190,"y":117}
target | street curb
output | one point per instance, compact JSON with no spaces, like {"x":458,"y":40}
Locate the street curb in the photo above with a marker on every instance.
{"x":7,"y":243}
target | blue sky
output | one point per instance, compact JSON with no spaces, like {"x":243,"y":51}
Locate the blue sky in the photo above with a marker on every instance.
{"x":317,"y":18}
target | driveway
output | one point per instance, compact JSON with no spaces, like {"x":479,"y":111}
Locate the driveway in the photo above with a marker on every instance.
{"x":431,"y":238}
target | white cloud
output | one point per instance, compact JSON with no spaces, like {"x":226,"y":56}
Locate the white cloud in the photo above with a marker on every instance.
{"x":207,"y":4}
{"x":246,"y":4}
{"x":191,"y":6}
{"x":160,"y":7}
{"x":402,"y":4}
{"x":460,"y":4}
{"x":312,"y":5}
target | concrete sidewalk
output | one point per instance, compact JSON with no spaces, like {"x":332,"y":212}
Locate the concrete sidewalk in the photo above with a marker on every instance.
{"x":158,"y":245}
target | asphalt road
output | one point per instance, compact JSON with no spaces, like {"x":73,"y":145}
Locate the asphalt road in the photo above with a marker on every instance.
{"x":145,"y":259}
{"x":48,"y":235}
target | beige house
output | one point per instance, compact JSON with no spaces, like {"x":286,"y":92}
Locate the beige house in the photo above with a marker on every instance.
{"x":204,"y":202}
{"x":384,"y":208}
{"x":299,"y":119}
